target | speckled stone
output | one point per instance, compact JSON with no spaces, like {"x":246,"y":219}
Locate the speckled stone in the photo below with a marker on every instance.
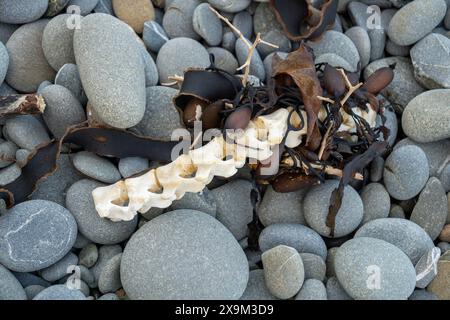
{"x":4,"y":62}
{"x":9,"y":174}
{"x":59,"y":269}
{"x":132,"y":165}
{"x":277,"y":38}
{"x":109,"y":280}
{"x":315,"y":267}
{"x":88,"y":256}
{"x":243,"y":21}
{"x":207,"y":24}
{"x":335,"y":290}
{"x":264,"y":19}
{"x":109,"y":296}
{"x":228,"y":39}
{"x":224,"y":59}
{"x":256,"y":287}
{"x":6,"y":30}
{"x":105,"y":254}
{"x":312,"y":289}
{"x":96,"y":167}
{"x":10,"y":287}
{"x":104,"y":6}
{"x":134,"y":13}
{"x":203,"y":201}
{"x":60,"y":292}
{"x":177,"y":20}
{"x":154,"y":36}
{"x":33,"y":290}
{"x":22,"y":11}
{"x":376,"y":201}
{"x":7,"y":153}
{"x":151,"y":71}
{"x":361,"y":40}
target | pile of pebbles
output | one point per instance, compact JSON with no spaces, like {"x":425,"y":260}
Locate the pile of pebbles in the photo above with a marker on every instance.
{"x":392,"y":232}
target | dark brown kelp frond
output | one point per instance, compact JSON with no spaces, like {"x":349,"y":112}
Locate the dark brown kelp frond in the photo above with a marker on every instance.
{"x":21,"y":104}
{"x":300,"y":20}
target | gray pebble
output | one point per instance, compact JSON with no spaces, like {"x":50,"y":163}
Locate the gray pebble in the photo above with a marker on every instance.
{"x":169,"y":247}
{"x":117,"y":94}
{"x":228,"y":39}
{"x":27,"y":279}
{"x":378,"y":42}
{"x":69,"y":77}
{"x":85,"y":6}
{"x":426,"y":268}
{"x":376,"y":201}
{"x":28,"y":67}
{"x":88,"y":255}
{"x":87,"y":276}
{"x":279,"y":207}
{"x":207,"y":24}
{"x":151,"y":71}
{"x":179,"y":54}
{"x":132,"y":165}
{"x":161,"y":118}
{"x":10,"y":287}
{"x":415,"y":20}
{"x":359,"y":260}
{"x":177,"y":20}
{"x":330,"y":272}
{"x":31,"y":222}
{"x":404,"y":234}
{"x":444,"y":246}
{"x":59,"y":269}
{"x":312,"y":289}
{"x":154,"y":35}
{"x":81,"y":241}
{"x":315,"y":267}
{"x":405,"y":172}
{"x":333,"y":60}
{"x":57,"y":42}
{"x":55,"y":7}
{"x":109,"y":296}
{"x":420,"y":294}
{"x":22,"y":11}
{"x":302,"y":238}
{"x":9,"y":174}
{"x":4,"y":62}
{"x":230,"y":6}
{"x":431,"y":209}
{"x":6,"y":30}
{"x":60,"y":292}
{"x":395,"y":50}
{"x":109,"y":280}
{"x":234,"y":208}
{"x":397,"y":211}
{"x":243,"y":21}
{"x":361,"y":40}
{"x":5,"y":89}
{"x":33,"y":290}
{"x":268,"y":61}
{"x":359,"y":14}
{"x":335,"y":290}
{"x":96,"y":167}
{"x":203,"y":201}
{"x":223,"y":59}
{"x":264,"y":19}
{"x":256,"y":287}
{"x":99,"y":230}
{"x":317,"y":202}
{"x":7,"y":153}
{"x":105,"y":254}
{"x":283,"y":270}
{"x":256,"y":65}
{"x":43,"y":85}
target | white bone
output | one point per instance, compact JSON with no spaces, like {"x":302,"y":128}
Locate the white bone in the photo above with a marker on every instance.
{"x":110,"y":202}
{"x":272,"y":127}
{"x":294,"y":138}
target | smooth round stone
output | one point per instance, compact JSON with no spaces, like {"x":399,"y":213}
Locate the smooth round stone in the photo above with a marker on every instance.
{"x":224,"y":59}
{"x":361,"y":40}
{"x":359,"y":14}
{"x":9,"y":174}
{"x":179,"y":54}
{"x":154,"y":36}
{"x":234,"y":207}
{"x":397,"y":211}
{"x":29,"y":279}
{"x":207,"y":24}
{"x":315,"y":267}
{"x":405,"y":172}
{"x":243,"y":21}
{"x":370,"y":268}
{"x":22,"y":11}
{"x":339,"y":44}
{"x":6,"y":30}
{"x":88,"y":255}
{"x":279,"y":207}
{"x":283,"y":270}
{"x":117,"y":94}
{"x":256,"y":65}
{"x":10,"y":287}
{"x":161,"y":118}
{"x":316,"y":205}
{"x":277,"y":38}
{"x":312,"y":289}
{"x":431,"y":209}
{"x":99,"y":230}
{"x":33,"y":291}
{"x":177,"y":20}
{"x":31,"y":222}
{"x":60,"y":292}
{"x":134,"y":13}
{"x":109,"y":280}
{"x":85,"y":6}
{"x":43,"y":85}
{"x":415,"y":20}
{"x":69,"y":77}
{"x":62,"y":109}
{"x":256,"y":287}
{"x":4,"y":62}
{"x":7,"y":153}
{"x":81,"y":241}
{"x":420,"y":294}
{"x":228,"y":39}
{"x":264,"y":19}
{"x":376,"y":202}
{"x":403,"y":87}
{"x":203,"y":201}
{"x":28,"y":67}
{"x":404,"y":234}
{"x":335,"y":290}
{"x":427,"y":116}
{"x":378,"y":42}
{"x":334,"y":60}
{"x":431,"y":61}
{"x":395,"y":50}
{"x":132,"y":165}
{"x":55,"y":186}
{"x":55,"y":7}
{"x":229,"y":6}
{"x":59,"y":269}
{"x":105,"y":254}
{"x":151,"y":71}
{"x":57,"y":42}
{"x":294,"y":235}
{"x":109,"y":296}
{"x":181,"y":255}
{"x":96,"y":167}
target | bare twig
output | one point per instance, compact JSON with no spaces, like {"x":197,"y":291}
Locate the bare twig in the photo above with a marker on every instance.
{"x":351,"y":88}
{"x":325,"y":99}
{"x":176,"y":80}
{"x":324,"y":140}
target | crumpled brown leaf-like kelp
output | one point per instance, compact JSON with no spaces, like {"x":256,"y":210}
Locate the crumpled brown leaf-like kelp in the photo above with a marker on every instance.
{"x":21,"y":104}
{"x":42,"y":162}
{"x":301,"y":20}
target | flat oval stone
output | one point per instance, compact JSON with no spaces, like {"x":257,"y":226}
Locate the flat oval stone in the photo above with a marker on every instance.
{"x":361,"y":40}
{"x":315,"y":267}
{"x":224,"y":59}
{"x":69,"y":77}
{"x":4,"y":62}
{"x":243,"y":21}
{"x":7,"y":153}
{"x":427,"y":117}
{"x":28,"y":67}
{"x":177,"y":20}
{"x":60,"y":269}
{"x":404,"y":234}
{"x":62,"y":109}
{"x":370,"y":268}
{"x":9,"y":174}
{"x":57,"y":42}
{"x":132,"y":165}
{"x":207,"y":24}
{"x":10,"y":287}
{"x":22,"y":11}
{"x":117,"y":93}
{"x":154,"y":36}
{"x":376,"y":201}
{"x":80,"y":203}
{"x":109,"y":280}
{"x":230,"y":6}
{"x":105,"y":254}
{"x":134,"y":13}
{"x":60,"y":292}
{"x":181,"y":255}
{"x":405,"y":172}
{"x":415,"y":20}
{"x":32,"y":222}
{"x":88,"y":255}
{"x":294,"y":235}
{"x":312,"y":289}
{"x":96,"y":167}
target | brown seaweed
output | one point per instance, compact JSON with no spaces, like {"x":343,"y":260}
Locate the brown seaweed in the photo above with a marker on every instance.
{"x":16,"y":104}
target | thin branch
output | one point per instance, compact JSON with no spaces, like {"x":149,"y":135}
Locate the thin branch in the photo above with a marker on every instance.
{"x":351,"y":88}
{"x":324,"y":140}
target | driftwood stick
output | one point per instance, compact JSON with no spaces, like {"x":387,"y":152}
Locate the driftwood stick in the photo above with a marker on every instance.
{"x":21,"y":104}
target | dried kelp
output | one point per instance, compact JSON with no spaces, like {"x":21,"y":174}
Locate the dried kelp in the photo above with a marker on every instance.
{"x":21,"y":104}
